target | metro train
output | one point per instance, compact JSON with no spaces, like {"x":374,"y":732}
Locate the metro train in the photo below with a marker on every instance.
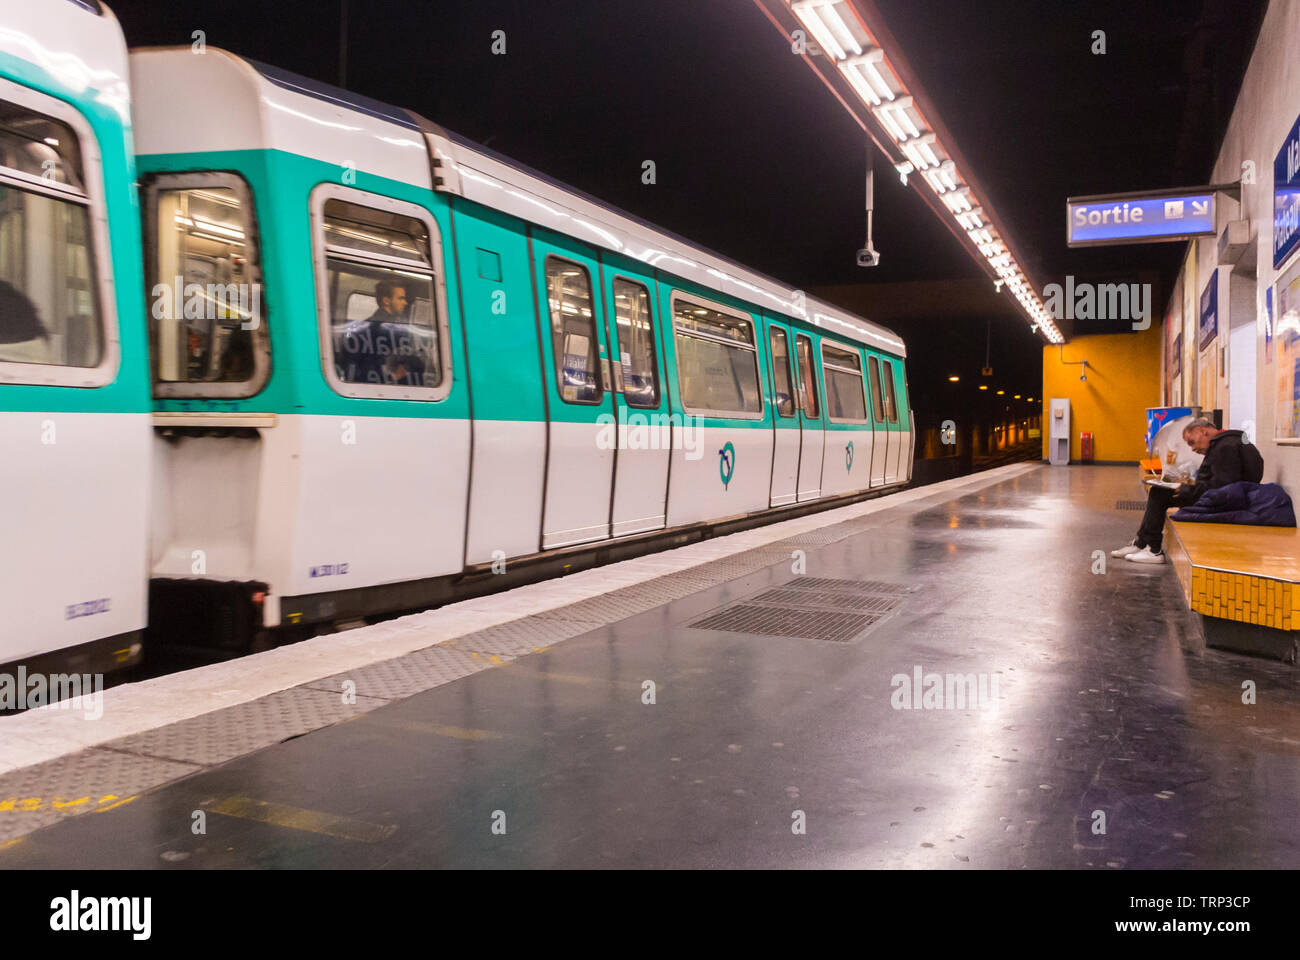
{"x":274,"y":355}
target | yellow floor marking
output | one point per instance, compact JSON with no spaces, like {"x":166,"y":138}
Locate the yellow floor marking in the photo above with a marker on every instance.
{"x":296,"y":818}
{"x":6,"y":844}
{"x":35,"y":804}
{"x":112,"y":806}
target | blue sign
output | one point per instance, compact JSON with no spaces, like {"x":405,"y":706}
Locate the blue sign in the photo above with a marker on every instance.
{"x":1138,"y":219}
{"x":1209,"y":311}
{"x":1286,"y":196}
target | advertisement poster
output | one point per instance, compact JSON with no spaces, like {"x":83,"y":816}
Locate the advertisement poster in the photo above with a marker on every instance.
{"x":1286,"y":346}
{"x":1209,"y":328}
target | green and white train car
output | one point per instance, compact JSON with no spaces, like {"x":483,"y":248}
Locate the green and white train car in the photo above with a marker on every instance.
{"x":74,"y":381}
{"x":383,"y":360}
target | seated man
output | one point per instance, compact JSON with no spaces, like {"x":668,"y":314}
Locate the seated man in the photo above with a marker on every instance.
{"x":381,"y":349}
{"x":1227,"y":460}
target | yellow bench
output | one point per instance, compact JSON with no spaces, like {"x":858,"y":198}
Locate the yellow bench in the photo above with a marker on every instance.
{"x":1244,"y":575}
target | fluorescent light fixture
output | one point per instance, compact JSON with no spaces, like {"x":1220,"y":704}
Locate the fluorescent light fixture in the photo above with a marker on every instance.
{"x":839,"y":28}
{"x":859,"y":82}
{"x":807,"y":11}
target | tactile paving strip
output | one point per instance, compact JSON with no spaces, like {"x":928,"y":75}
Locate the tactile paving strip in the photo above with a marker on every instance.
{"x":94,"y":779}
{"x":222,"y":735}
{"x":520,"y":637}
{"x":412,"y":673}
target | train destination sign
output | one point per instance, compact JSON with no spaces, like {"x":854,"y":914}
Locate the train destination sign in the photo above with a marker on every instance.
{"x":1139,"y":217}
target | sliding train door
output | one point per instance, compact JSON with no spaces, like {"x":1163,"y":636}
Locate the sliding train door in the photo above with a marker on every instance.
{"x":580,"y":405}
{"x":893,"y":460}
{"x":785,"y":426}
{"x":811,"y":424}
{"x":643,"y":435}
{"x":880,"y":421}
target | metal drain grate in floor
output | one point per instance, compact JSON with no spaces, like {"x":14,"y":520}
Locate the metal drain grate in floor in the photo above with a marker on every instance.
{"x":786,"y":622}
{"x":1131,"y":505}
{"x":836,"y":599}
{"x":811,"y":608}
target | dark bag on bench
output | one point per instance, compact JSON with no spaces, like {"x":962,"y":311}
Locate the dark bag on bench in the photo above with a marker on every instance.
{"x":1260,"y":504}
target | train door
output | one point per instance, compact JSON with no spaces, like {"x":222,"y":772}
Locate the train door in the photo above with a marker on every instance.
{"x":846,"y":465}
{"x":580,"y":407}
{"x":505,"y":373}
{"x":643,"y":433}
{"x":880,"y":422}
{"x":785,"y":426}
{"x":811,"y":428}
{"x":895,"y":432}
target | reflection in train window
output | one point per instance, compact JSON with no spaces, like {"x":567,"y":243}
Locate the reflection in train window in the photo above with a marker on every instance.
{"x":807,"y":377}
{"x":636,"y":343}
{"x":717,"y":361}
{"x":781,"y":385}
{"x":845,"y":399}
{"x":877,"y":402}
{"x":49,"y":310}
{"x":891,"y":406}
{"x":573,"y":332}
{"x":379,"y":276}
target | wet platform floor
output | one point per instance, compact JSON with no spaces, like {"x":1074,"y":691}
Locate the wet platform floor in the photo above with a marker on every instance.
{"x":1112,"y":741}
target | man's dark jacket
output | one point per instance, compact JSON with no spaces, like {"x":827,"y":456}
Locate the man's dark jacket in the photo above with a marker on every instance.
{"x":1227,"y":461}
{"x":1259,"y":504}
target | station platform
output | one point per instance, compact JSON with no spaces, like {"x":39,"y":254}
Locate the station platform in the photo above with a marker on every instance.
{"x":782,"y":697}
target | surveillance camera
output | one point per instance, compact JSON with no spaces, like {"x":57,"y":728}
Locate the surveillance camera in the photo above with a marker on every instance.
{"x":868,"y":258}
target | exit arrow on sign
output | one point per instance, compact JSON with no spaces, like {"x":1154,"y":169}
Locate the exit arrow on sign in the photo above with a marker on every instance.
{"x":1201,"y":208}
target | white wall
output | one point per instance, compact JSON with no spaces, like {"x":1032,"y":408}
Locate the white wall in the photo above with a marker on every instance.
{"x":1266,"y":108}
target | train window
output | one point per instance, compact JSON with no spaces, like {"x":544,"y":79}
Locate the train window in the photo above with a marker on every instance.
{"x":845,"y":399}
{"x":781,"y":385}
{"x":636,"y":342}
{"x":807,"y":377}
{"x":50,"y":310}
{"x":383,"y":328}
{"x":877,"y":401}
{"x":717,"y":361}
{"x":891,"y":407}
{"x":573,"y":331}
{"x":207,"y":323}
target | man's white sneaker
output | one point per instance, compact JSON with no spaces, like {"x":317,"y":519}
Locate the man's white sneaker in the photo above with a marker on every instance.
{"x":1125,"y":551}
{"x":1146,"y":556}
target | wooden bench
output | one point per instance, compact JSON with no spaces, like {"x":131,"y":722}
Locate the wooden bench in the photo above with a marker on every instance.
{"x":1245,"y":582}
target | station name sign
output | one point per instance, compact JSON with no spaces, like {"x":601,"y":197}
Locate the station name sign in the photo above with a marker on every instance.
{"x":1139,"y":217}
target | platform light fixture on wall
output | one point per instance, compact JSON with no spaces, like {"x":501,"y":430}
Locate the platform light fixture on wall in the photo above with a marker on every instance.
{"x":841,"y":32}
